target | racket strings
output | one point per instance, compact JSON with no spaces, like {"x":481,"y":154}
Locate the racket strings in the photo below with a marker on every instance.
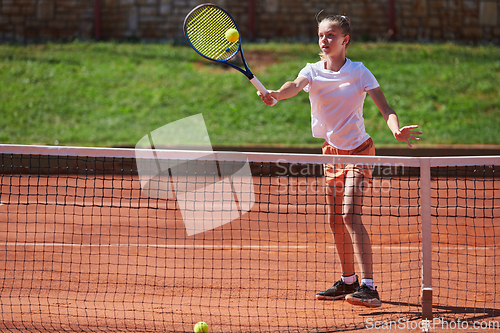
{"x":205,"y":29}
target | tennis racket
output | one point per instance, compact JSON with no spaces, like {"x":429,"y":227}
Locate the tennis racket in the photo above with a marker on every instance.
{"x":205,"y":28}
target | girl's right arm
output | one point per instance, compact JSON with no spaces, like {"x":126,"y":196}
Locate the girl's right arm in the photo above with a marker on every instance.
{"x":288,"y":90}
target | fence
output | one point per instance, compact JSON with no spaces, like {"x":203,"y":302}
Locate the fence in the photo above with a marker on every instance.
{"x":420,"y":20}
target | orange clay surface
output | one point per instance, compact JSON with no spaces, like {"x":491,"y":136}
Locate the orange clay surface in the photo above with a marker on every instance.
{"x":118,"y":261}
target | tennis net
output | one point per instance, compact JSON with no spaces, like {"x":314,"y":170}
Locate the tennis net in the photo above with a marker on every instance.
{"x":96,"y":239}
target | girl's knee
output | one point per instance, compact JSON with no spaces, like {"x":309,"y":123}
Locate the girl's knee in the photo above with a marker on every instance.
{"x":351,"y":215}
{"x":335,"y":186}
{"x":348,"y":218}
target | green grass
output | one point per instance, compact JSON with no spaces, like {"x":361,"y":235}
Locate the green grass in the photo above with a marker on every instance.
{"x":111,"y":94}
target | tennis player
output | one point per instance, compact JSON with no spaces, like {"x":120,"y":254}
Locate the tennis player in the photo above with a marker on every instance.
{"x":337,"y":89}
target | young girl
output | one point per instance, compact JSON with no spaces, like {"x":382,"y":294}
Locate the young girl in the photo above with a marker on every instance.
{"x":337,"y":89}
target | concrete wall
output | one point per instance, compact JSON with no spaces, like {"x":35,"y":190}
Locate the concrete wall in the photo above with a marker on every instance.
{"x":417,"y":20}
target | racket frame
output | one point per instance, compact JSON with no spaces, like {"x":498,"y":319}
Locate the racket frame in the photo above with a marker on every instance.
{"x":246,"y":71}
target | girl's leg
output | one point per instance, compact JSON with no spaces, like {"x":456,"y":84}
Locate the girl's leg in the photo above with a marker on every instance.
{"x":351,"y":214}
{"x":343,"y":243}
{"x":366,"y":295}
{"x":341,"y":235}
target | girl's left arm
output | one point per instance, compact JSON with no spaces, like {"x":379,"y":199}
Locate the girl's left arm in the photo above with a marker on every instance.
{"x":401,"y":134}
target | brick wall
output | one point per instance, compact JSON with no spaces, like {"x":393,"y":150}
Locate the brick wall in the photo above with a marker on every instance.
{"x":41,"y":20}
{"x":28,"y":20}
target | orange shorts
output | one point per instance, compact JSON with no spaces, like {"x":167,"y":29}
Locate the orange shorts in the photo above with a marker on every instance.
{"x":335,"y":171}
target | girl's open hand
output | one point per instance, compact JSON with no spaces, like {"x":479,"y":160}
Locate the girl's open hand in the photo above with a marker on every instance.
{"x":406,"y":133}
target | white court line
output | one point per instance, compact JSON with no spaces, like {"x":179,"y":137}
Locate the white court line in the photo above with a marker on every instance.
{"x":238,"y":247}
{"x":138,"y":203}
{"x":191,"y":246}
{"x":165,"y":205}
{"x":90,"y":203}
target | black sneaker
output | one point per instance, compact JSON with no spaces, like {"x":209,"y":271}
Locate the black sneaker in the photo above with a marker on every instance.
{"x":364,"y":296}
{"x":339,"y":290}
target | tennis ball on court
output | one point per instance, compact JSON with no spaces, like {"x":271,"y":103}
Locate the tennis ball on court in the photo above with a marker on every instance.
{"x":201,"y":327}
{"x":232,"y":35}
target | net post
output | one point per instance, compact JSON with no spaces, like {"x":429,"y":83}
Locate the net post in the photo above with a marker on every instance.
{"x":426,"y":233}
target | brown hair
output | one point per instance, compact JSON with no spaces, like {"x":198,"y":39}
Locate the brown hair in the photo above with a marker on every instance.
{"x":342,"y":21}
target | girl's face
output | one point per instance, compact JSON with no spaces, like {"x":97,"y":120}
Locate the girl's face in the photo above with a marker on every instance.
{"x":331,"y":40}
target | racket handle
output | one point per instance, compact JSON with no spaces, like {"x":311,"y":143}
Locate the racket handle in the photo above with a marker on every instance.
{"x":260,"y":87}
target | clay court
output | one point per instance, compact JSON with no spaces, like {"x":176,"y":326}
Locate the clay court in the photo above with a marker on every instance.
{"x":90,"y":252}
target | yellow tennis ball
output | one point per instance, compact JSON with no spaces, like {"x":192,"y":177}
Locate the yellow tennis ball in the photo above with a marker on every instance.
{"x":232,"y":35}
{"x":201,"y":327}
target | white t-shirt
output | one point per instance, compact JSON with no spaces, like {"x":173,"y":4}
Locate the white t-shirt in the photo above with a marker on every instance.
{"x":337,"y":100}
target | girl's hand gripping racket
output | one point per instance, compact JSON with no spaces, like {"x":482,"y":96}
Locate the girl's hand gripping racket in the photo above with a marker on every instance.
{"x":212,"y":32}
